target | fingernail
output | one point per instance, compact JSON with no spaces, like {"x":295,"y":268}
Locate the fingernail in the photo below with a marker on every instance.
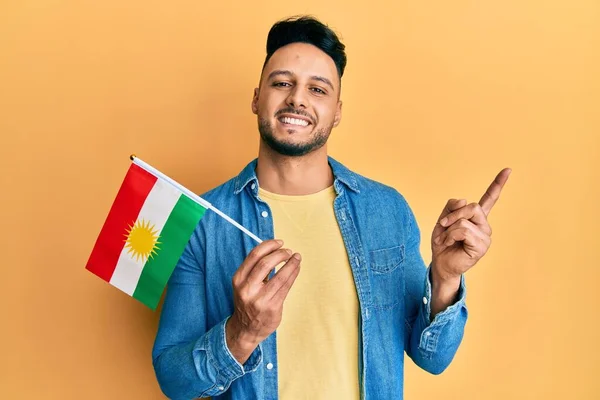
{"x":297,"y":256}
{"x":279,"y":241}
{"x":436,"y":240}
{"x":444,"y":221}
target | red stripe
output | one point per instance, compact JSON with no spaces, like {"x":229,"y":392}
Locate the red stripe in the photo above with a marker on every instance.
{"x":129,"y":201}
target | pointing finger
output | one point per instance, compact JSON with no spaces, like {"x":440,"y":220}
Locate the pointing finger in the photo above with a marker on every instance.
{"x":492,"y":194}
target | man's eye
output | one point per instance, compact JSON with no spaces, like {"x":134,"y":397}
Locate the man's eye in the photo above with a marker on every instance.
{"x":318,"y":90}
{"x":281,"y":84}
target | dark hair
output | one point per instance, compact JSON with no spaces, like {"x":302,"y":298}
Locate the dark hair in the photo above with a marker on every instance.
{"x":307,"y":29}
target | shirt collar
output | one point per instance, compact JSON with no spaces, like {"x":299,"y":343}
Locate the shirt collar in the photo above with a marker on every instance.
{"x":340,"y":173}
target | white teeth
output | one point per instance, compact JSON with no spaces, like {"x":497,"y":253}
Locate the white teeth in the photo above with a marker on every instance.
{"x":294,"y":121}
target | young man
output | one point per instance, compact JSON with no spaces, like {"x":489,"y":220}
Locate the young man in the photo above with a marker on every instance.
{"x":357,"y":293}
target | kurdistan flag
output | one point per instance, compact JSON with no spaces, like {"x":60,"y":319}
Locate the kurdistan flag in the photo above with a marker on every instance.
{"x":145,"y":233}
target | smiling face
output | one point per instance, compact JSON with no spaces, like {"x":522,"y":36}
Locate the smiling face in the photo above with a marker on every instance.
{"x":297,"y":103}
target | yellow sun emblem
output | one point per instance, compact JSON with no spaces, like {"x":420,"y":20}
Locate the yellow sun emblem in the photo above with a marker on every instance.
{"x":142,"y":240}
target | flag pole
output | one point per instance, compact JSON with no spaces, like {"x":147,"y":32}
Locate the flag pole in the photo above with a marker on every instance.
{"x":191,"y":195}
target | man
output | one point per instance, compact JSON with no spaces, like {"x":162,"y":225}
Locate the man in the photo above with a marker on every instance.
{"x":347,"y":265}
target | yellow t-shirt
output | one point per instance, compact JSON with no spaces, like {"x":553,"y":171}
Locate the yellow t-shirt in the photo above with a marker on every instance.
{"x":317,"y":340}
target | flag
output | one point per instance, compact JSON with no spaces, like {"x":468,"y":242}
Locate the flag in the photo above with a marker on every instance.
{"x":145,"y":233}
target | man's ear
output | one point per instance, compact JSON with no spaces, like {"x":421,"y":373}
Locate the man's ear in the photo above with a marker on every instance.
{"x":255,"y":102}
{"x":338,"y":114}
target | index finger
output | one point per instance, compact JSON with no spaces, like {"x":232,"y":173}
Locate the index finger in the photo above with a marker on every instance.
{"x":261,"y":250}
{"x":492,"y":194}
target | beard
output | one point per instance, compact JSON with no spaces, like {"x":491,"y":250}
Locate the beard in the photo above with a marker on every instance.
{"x":286,"y":148}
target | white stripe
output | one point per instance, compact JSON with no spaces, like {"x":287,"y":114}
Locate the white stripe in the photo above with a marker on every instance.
{"x":156,"y":209}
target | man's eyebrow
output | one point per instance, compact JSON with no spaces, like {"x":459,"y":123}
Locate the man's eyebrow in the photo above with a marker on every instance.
{"x":288,"y":73}
{"x":323,"y":79}
{"x":278,"y":72}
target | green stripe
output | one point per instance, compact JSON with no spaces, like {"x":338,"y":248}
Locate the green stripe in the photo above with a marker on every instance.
{"x":173,"y":238}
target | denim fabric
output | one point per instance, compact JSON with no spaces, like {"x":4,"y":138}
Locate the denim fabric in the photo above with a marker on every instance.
{"x":381,"y":235}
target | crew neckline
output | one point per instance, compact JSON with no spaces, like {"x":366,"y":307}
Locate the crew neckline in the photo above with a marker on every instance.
{"x":292,"y":198}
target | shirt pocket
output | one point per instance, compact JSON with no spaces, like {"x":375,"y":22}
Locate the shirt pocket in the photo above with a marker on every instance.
{"x":387,"y":276}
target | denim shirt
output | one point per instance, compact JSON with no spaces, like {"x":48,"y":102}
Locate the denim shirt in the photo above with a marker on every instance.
{"x":381,"y":236}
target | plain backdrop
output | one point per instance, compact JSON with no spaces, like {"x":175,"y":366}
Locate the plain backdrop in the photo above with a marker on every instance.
{"x":438,"y":96}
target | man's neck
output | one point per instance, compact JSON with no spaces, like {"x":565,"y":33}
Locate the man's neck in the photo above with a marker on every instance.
{"x":293,"y":176}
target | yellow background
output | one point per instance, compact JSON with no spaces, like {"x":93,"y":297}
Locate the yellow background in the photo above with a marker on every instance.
{"x":438,"y":97}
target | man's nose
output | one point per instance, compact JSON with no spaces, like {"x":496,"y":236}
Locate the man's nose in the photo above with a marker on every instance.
{"x":297,"y":98}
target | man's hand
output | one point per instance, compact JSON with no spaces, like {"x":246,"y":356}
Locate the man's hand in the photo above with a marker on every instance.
{"x":258,"y":302}
{"x":460,"y":238}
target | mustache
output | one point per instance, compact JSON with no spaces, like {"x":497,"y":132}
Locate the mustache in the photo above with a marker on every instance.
{"x":291,"y":110}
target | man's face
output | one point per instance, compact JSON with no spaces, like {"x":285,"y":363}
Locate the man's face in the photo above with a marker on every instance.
{"x":297,"y":103}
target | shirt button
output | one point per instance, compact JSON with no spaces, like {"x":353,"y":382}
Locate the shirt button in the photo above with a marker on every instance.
{"x":264,"y":214}
{"x":253,"y":186}
{"x":269,"y":366}
{"x":221,"y":388}
{"x":424,"y":300}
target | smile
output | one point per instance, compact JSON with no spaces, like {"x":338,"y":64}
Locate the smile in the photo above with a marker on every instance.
{"x":293,"y":121}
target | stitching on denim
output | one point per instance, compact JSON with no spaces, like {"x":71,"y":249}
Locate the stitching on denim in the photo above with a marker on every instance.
{"x":381,"y":268}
